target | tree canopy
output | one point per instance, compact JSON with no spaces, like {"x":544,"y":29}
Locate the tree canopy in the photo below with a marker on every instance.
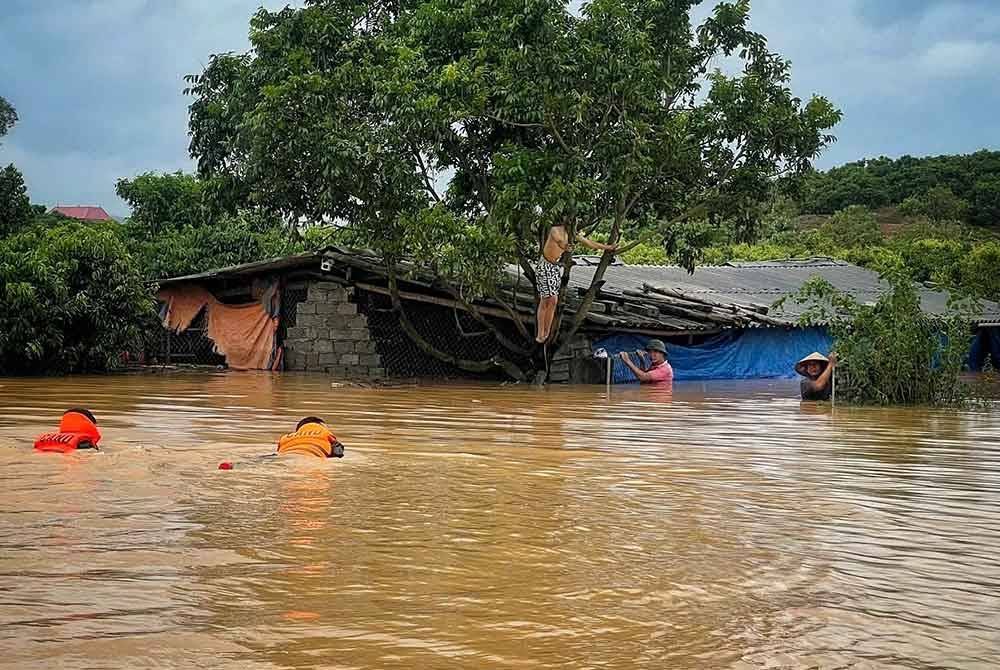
{"x":955,"y":187}
{"x":15,"y":206}
{"x":454,"y":132}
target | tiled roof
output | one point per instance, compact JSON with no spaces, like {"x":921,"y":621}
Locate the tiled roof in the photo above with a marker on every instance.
{"x":84,"y":213}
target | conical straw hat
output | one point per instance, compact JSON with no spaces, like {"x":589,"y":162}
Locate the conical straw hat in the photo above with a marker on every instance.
{"x":814,"y":356}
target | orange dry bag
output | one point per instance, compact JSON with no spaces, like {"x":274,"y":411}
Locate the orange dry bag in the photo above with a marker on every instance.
{"x":312,"y":439}
{"x":75,"y":432}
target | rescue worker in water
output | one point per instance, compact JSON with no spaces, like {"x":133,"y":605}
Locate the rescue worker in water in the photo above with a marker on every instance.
{"x":311,"y":438}
{"x":77,"y":430}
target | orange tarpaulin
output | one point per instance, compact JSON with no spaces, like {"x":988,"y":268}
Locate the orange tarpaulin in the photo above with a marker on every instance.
{"x":244,"y":334}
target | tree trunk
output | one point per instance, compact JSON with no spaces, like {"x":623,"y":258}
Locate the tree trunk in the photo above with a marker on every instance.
{"x":490,"y":365}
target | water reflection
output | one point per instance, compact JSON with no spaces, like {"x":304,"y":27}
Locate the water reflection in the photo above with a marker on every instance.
{"x":720,"y":525}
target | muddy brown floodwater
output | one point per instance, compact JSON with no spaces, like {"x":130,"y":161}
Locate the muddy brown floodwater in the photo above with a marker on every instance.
{"x":477,"y":526}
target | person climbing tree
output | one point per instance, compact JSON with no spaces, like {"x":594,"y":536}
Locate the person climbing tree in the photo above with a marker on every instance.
{"x":548,"y":274}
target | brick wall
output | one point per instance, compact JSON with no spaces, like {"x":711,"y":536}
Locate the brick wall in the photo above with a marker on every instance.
{"x":330,"y":335}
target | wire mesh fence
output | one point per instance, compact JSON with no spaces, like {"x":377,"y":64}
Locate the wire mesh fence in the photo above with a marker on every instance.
{"x":192,"y":347}
{"x":450,"y":330}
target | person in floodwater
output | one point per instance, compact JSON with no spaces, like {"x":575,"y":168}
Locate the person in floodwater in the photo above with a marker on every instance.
{"x":77,"y":430}
{"x":312,"y":437}
{"x":818,"y":372}
{"x":657,"y":370}
{"x":548,"y":274}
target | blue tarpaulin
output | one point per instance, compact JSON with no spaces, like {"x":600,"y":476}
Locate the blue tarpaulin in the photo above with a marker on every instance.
{"x":754,"y":353}
{"x":987,"y":343}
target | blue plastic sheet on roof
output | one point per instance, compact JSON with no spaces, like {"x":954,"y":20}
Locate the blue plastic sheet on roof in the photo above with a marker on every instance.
{"x":754,"y":353}
{"x":986,"y":343}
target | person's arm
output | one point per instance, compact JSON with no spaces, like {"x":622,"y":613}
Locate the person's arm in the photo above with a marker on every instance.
{"x":639,"y":372}
{"x":823,"y":380}
{"x":596,"y":246}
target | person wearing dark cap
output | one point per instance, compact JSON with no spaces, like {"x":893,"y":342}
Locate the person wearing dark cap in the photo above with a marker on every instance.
{"x":817,"y":370}
{"x":657,"y":370}
{"x":311,"y":438}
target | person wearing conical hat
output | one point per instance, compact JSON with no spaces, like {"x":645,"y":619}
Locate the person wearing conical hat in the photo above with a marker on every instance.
{"x":817,"y":371}
{"x":657,"y":371}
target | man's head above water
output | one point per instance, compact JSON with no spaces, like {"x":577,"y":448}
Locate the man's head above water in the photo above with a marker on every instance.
{"x":813,"y":365}
{"x":82,"y":412}
{"x":308,"y":420}
{"x":657,"y":351}
{"x":812,"y":369}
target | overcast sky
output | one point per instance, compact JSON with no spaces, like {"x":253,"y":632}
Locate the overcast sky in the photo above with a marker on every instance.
{"x":98,"y":83}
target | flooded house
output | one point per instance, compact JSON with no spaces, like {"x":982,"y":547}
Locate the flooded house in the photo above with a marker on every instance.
{"x":333,"y":312}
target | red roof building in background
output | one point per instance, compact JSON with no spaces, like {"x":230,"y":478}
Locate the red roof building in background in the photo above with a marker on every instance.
{"x":83,"y":213}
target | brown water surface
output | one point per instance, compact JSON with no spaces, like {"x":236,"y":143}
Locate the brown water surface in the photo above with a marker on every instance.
{"x":722,"y":526}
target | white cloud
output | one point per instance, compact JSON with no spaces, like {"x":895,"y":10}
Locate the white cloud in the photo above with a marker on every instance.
{"x":958,"y":58}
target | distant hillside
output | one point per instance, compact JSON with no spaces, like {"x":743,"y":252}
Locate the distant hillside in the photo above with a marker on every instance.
{"x":973,"y":181}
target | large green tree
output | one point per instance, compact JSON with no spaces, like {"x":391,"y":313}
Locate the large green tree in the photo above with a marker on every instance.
{"x":163,"y":202}
{"x":455,"y":131}
{"x":15,"y":208}
{"x":173,"y":230}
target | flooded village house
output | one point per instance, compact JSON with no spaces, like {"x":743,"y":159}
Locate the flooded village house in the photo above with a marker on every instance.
{"x":332,"y":312}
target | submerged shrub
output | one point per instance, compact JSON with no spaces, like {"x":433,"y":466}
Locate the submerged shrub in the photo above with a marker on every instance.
{"x":892,"y":351}
{"x":71,"y":299}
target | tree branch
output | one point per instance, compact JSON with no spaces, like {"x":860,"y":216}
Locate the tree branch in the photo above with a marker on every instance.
{"x":423,"y":171}
{"x":464,"y":364}
{"x":478,"y":316}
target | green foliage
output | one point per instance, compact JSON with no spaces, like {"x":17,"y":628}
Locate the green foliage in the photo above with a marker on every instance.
{"x":15,"y":207}
{"x":162,"y":202}
{"x":978,"y":271}
{"x":851,"y":227}
{"x":8,"y":117}
{"x":192,"y":249}
{"x":938,"y":204}
{"x":456,"y":132}
{"x":946,"y":254}
{"x":172,"y":232}
{"x":891,"y":352}
{"x":646,"y":254}
{"x":71,"y":299}
{"x":959,"y":187}
{"x":986,"y":200}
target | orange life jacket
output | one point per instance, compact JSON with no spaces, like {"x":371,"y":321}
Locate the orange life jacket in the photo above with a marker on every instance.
{"x":312,"y":439}
{"x":75,"y":432}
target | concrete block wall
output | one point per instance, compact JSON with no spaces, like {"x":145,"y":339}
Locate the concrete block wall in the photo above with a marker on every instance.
{"x":330,"y":335}
{"x":565,"y":368}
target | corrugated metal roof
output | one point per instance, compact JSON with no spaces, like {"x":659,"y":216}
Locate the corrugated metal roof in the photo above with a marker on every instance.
{"x":716,"y":292}
{"x":309,"y":258}
{"x":762,"y":283}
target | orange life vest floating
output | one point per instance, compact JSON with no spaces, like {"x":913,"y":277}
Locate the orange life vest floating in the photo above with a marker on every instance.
{"x":312,"y":439}
{"x":75,"y":432}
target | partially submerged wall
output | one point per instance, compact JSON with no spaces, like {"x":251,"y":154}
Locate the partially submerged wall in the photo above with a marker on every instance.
{"x":330,"y":335}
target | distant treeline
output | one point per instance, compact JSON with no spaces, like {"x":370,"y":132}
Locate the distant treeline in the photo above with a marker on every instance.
{"x":966,"y":187}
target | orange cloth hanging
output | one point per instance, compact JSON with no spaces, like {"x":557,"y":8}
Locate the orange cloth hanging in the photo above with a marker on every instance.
{"x":244,"y":334}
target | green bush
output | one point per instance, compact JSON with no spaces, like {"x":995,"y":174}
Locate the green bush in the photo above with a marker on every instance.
{"x":71,"y":299}
{"x":891,"y":352}
{"x":192,"y":249}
